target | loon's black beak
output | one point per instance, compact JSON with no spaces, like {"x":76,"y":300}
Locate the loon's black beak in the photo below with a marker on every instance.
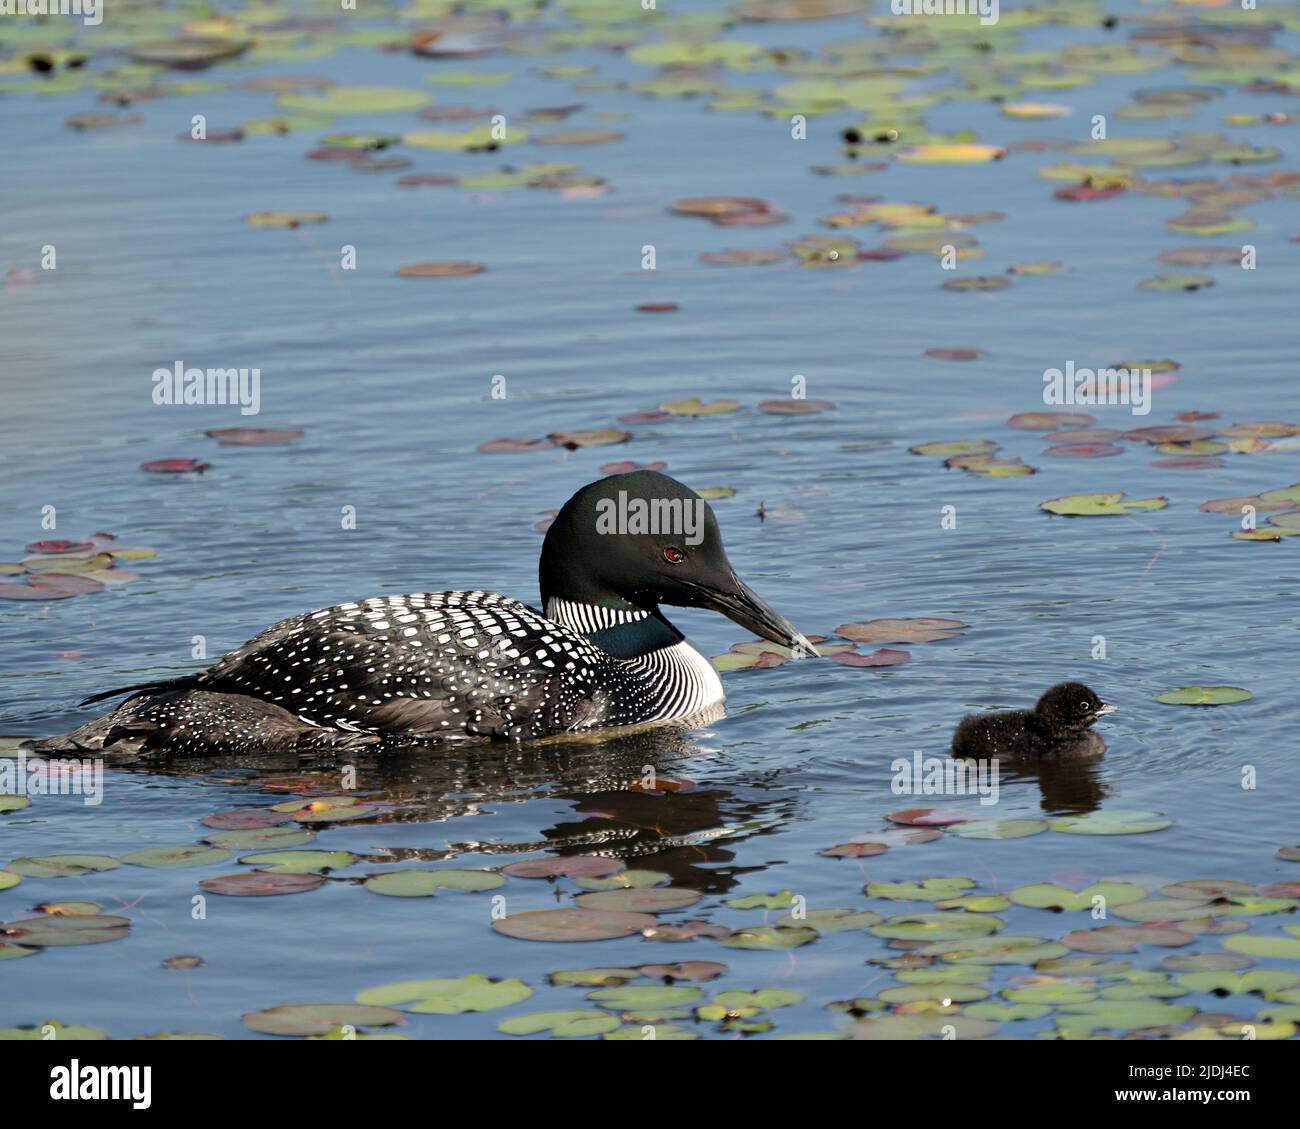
{"x":740,"y":603}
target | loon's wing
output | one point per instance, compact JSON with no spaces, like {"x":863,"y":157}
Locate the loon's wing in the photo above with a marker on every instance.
{"x":457,"y":664}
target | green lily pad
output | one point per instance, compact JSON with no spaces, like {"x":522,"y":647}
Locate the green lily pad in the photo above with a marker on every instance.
{"x":185,"y":854}
{"x":782,"y":899}
{"x":949,"y":993}
{"x":356,"y":100}
{"x":574,"y":1023}
{"x":832,"y":920}
{"x":893,"y":1027}
{"x":14,"y":803}
{"x":768,"y":937}
{"x":1111,"y":822}
{"x":1099,"y":505}
{"x":299,"y":862}
{"x":997,"y":828}
{"x":1010,"y":949}
{"x":665,"y":1032}
{"x":472,"y":992}
{"x":1049,"y":990}
{"x":52,"y":931}
{"x":1050,"y":896}
{"x":1234,"y":984}
{"x":761,"y":998}
{"x":327,"y":809}
{"x":629,"y":879}
{"x":319,"y":1019}
{"x":61,"y":866}
{"x":9,"y":879}
{"x":1006,"y":1013}
{"x":976,"y":903}
{"x":260,"y":837}
{"x":1177,"y":282}
{"x":62,"y":1031}
{"x":646,"y":997}
{"x":1203,"y":696}
{"x":411,"y":883}
{"x":1264,"y":945}
{"x":928,"y":890}
{"x":947,"y":926}
{"x":1122,"y":1015}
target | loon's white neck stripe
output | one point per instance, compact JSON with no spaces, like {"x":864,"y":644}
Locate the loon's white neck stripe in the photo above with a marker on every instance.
{"x":589,"y":618}
{"x":687,"y":680}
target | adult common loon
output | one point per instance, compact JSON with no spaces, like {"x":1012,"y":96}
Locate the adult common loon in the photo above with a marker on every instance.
{"x":473,"y":666}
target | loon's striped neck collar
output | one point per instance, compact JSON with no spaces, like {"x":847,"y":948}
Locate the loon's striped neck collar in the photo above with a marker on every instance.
{"x":625,"y":633}
{"x":587,"y":619}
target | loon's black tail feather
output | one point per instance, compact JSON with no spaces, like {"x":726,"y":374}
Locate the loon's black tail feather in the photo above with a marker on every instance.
{"x":162,"y":686}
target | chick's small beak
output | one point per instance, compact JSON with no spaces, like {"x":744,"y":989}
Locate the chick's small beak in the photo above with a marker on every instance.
{"x":1106,"y":708}
{"x":740,"y":603}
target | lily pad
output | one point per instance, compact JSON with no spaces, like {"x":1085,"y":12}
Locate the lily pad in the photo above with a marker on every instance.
{"x":574,"y":1023}
{"x":1050,"y":896}
{"x":645,"y":900}
{"x":472,"y":992}
{"x":411,"y":883}
{"x":997,"y":828}
{"x":923,"y":629}
{"x":572,"y":866}
{"x":443,"y":268}
{"x":1100,"y":505}
{"x":572,"y":924}
{"x":299,"y":862}
{"x":185,"y":854}
{"x":61,"y":866}
{"x":1203,"y":696}
{"x":260,"y":884}
{"x":769,"y":937}
{"x":319,"y":1019}
{"x":50,"y":931}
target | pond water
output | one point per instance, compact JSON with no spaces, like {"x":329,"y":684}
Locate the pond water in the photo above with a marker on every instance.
{"x":391,"y":382}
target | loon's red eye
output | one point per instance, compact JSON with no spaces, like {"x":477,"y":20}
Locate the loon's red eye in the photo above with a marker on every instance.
{"x":673,"y":555}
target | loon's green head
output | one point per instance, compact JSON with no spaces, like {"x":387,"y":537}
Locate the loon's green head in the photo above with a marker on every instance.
{"x":638,"y":540}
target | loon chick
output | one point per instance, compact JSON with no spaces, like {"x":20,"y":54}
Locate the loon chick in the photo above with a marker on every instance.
{"x":1061,"y":717}
{"x":476,"y":665}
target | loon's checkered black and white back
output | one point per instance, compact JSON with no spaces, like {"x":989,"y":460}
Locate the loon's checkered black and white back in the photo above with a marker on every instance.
{"x":473,"y":666}
{"x":444,"y":666}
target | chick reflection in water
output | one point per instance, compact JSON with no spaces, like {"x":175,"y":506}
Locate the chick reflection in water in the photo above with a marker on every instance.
{"x":1053,"y":743}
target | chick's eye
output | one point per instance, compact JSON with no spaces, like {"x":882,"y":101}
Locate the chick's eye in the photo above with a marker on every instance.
{"x":1083,"y":707}
{"x":673,"y":555}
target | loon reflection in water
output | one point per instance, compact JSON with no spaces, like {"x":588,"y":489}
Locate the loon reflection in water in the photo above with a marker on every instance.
{"x":473,"y":666}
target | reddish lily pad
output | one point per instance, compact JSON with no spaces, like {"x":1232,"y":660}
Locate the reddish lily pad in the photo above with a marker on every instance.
{"x":922,"y":629}
{"x":572,"y":924}
{"x":253,"y":436}
{"x":175,"y":466}
{"x":883,"y":656}
{"x":573,"y":866}
{"x":261,"y":884}
{"x":441,"y":268}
